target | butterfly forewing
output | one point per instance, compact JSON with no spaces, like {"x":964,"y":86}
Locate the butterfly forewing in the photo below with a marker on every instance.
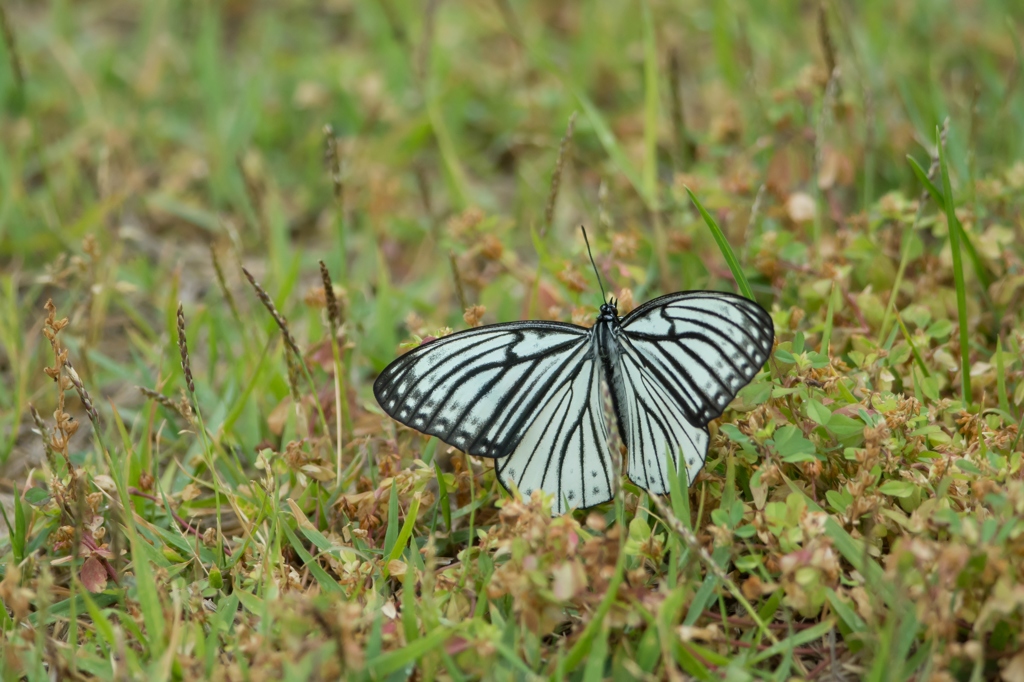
{"x":565,"y":452}
{"x":701,"y":346}
{"x":480,"y":389}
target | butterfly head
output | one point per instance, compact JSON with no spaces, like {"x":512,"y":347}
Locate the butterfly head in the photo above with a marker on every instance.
{"x":609,"y":311}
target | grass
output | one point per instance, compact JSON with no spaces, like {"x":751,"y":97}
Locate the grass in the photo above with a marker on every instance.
{"x":196,"y":481}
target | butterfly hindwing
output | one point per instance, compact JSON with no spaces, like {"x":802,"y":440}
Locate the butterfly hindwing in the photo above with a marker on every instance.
{"x":655,"y":427}
{"x":565,"y":452}
{"x":479,"y":390}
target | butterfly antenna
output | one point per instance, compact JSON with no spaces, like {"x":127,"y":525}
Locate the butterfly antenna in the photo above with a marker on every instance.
{"x":604,"y":296}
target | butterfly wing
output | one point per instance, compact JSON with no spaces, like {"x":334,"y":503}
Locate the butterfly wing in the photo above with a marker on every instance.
{"x":481,"y":389}
{"x":565,"y":451}
{"x":682,"y":359}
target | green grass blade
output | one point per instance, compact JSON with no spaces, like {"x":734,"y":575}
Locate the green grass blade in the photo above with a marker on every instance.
{"x":323,"y":578}
{"x":980,"y":271}
{"x":410,"y":600}
{"x":146,"y":589}
{"x":826,"y":333}
{"x":913,"y":346}
{"x":16,"y":532}
{"x":406,"y":532}
{"x":651,"y":104}
{"x":723,"y":246}
{"x":610,"y":143}
{"x":845,"y":612}
{"x":802,"y":637}
{"x":583,"y":646}
{"x":1001,"y":394}
{"x":922,"y":177}
{"x":385,"y":664}
{"x":391,"y":534}
{"x":593,"y":671}
{"x":958,"y":273}
{"x":443,"y":500}
{"x":449,"y":154}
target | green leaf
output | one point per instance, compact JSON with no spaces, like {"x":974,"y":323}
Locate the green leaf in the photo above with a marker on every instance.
{"x":790,"y":442}
{"x":738,"y":437}
{"x":940,"y":329}
{"x":758,"y":393}
{"x":838,"y":501}
{"x":968,"y":467}
{"x":897,"y":488}
{"x":37,"y":497}
{"x":845,"y":427}
{"x":783,"y":355}
{"x":746,"y":532}
{"x":818,"y":412}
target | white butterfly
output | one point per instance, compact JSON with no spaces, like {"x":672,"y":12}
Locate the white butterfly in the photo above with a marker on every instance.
{"x":530,"y":393}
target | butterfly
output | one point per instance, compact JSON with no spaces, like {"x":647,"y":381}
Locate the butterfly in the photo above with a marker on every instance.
{"x":531,"y":394}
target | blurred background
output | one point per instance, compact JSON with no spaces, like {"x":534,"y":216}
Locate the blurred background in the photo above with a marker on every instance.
{"x":140,"y":138}
{"x":439,"y":158}
{"x":145,"y":145}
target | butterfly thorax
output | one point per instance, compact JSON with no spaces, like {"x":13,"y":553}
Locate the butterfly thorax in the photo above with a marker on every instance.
{"x":605,"y":329}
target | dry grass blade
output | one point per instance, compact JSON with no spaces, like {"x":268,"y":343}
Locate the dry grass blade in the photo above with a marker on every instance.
{"x":186,"y":362}
{"x":332,"y":155}
{"x":684,"y":147}
{"x":282,"y":323}
{"x":333,"y":310}
{"x":83,"y":394}
{"x":556,"y":176}
{"x":222,"y":283}
{"x":44,"y":432}
{"x":182,"y":408}
{"x":828,"y":46}
{"x":12,"y":48}
{"x":457,"y":278}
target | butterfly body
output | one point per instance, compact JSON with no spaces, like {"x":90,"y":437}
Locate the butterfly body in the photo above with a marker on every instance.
{"x":529,"y":394}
